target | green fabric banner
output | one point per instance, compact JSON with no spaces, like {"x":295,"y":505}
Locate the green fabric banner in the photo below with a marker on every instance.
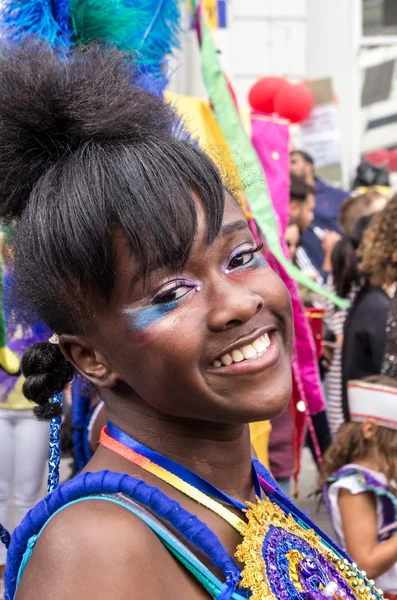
{"x":248,"y":165}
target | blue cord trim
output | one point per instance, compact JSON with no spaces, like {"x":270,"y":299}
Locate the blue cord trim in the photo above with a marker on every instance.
{"x":106,"y":482}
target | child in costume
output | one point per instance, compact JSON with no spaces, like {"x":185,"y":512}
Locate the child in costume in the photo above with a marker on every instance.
{"x":360,"y":474}
{"x":143,"y":265}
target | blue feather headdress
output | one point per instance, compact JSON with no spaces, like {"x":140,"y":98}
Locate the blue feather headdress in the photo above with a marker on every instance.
{"x":147,"y":28}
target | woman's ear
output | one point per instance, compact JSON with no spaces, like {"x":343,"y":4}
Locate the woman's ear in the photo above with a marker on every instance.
{"x":88,"y":361}
{"x":369,"y":429}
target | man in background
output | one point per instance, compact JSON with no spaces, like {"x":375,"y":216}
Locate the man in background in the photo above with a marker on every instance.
{"x":302,"y":206}
{"x":326,"y":211}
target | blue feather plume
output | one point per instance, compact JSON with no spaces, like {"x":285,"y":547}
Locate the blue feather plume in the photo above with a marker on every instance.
{"x":61,"y":11}
{"x":148,"y":28}
{"x":30,"y":17}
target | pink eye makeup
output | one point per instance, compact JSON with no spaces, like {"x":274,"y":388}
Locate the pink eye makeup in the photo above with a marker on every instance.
{"x":245,"y":257}
{"x":173,"y":293}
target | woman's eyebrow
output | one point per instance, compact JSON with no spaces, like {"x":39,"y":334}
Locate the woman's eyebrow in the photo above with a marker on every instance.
{"x":229,"y":228}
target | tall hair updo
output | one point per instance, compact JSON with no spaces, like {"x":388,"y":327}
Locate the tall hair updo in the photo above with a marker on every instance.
{"x":85,"y":151}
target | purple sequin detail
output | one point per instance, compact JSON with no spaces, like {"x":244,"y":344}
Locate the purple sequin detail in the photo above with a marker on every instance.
{"x":315,"y":572}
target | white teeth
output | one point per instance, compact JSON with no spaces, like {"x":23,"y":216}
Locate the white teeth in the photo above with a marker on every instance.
{"x":226,"y":360}
{"x":266,"y":339}
{"x":259,"y":346}
{"x":249,"y":352}
{"x":237,"y":356}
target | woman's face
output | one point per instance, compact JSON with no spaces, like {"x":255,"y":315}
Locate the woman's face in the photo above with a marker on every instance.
{"x":292,"y":239}
{"x":212,"y":342}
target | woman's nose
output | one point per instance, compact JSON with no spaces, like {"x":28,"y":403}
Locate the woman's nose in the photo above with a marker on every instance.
{"x":232,"y":304}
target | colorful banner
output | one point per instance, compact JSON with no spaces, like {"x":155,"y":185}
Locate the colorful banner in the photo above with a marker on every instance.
{"x":246,"y":159}
{"x":215,"y":12}
{"x":270,"y":140}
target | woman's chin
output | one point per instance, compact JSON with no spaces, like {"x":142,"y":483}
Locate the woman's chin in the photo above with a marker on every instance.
{"x":260,"y":408}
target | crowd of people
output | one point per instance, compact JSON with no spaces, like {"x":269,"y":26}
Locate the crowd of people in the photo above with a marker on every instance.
{"x":169,"y":336}
{"x":348,"y":242}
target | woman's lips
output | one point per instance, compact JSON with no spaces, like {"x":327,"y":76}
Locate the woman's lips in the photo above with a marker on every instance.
{"x":267,"y":352}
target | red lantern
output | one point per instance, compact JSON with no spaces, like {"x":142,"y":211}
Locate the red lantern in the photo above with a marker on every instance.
{"x":393,"y":160}
{"x":379,"y":158}
{"x":294,"y":102}
{"x":263,"y":92}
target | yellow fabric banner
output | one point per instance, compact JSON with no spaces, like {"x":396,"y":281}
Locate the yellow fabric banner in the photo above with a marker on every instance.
{"x":201,"y":123}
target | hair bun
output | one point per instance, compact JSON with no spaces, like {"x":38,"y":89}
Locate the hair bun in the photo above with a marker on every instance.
{"x":51,"y":106}
{"x":47,"y":372}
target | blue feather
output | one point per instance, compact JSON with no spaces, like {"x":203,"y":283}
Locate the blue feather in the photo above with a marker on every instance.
{"x":61,"y":10}
{"x":30,"y":17}
{"x":148,"y":28}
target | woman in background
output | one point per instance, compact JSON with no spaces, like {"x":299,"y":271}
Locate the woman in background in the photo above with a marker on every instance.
{"x":345,"y":281}
{"x":364,"y":341}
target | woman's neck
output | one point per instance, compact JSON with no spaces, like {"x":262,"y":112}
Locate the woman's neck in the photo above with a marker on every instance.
{"x":219,"y":453}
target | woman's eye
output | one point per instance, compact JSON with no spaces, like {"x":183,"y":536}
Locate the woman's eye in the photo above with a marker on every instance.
{"x":171,"y":295}
{"x":241,"y":260}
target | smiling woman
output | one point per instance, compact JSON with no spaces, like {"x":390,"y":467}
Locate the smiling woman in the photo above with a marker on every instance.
{"x":130,"y":248}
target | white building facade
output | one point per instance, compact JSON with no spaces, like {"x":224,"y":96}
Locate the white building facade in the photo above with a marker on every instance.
{"x":312,"y":39}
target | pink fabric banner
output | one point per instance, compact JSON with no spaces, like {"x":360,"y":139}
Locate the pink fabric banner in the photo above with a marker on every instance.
{"x":270,"y":140}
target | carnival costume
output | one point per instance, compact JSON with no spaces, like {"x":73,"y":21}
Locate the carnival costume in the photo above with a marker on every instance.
{"x":285,"y":556}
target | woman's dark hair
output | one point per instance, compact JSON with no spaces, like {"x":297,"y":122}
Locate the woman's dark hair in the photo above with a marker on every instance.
{"x":360,"y":228}
{"x":86,"y":155}
{"x":344,"y":259}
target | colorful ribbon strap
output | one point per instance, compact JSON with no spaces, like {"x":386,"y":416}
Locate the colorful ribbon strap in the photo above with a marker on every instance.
{"x":174,"y":480}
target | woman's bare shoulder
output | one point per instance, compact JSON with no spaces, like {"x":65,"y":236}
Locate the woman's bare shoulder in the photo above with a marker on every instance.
{"x":98,"y":550}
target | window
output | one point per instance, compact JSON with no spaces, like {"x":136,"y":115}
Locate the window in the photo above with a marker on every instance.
{"x":380,"y":17}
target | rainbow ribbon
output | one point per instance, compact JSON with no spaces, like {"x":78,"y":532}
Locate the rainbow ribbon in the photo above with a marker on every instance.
{"x":172,"y":480}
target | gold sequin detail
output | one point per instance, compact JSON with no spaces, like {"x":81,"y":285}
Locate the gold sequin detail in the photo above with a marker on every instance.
{"x":254,"y":577}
